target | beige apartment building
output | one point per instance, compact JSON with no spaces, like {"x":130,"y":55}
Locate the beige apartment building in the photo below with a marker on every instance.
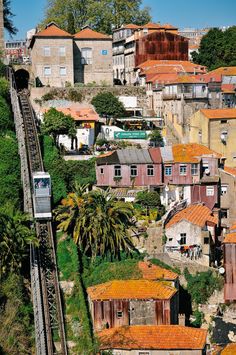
{"x":60,"y":59}
{"x":216,"y":130}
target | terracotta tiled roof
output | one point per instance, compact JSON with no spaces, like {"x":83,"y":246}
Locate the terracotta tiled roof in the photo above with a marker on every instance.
{"x":230,"y":170}
{"x":225,"y":71}
{"x":219,"y":113}
{"x":187,"y":79}
{"x":233,"y":227}
{"x":131,"y":26}
{"x":165,"y":337}
{"x":191,"y":153}
{"x":230,"y":349}
{"x":88,"y":33}
{"x":52,"y":30}
{"x":230,"y":238}
{"x":81,"y":114}
{"x":196,"y":214}
{"x":179,"y":65}
{"x":157,"y":26}
{"x":131,"y":289}
{"x":211,"y":77}
{"x":155,"y":272}
{"x":161,"y":78}
{"x":228,"y":88}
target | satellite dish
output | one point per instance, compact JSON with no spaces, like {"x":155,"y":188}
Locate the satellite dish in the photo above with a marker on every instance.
{"x":167,"y":188}
{"x":221,"y":270}
{"x":207,"y":171}
{"x":178,"y":238}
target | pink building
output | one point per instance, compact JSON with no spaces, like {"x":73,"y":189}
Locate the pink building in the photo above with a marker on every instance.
{"x":130,"y":167}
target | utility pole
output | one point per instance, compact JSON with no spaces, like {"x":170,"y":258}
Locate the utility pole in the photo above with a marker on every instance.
{"x":1,"y":27}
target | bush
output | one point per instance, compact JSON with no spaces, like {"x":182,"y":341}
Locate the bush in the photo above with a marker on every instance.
{"x":6,"y":121}
{"x":202,"y":285}
{"x":74,"y":95}
{"x":4,"y":87}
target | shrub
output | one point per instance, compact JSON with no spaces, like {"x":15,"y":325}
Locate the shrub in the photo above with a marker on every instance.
{"x":74,"y":95}
{"x":202,"y":285}
{"x":4,"y":87}
{"x":6,"y":122}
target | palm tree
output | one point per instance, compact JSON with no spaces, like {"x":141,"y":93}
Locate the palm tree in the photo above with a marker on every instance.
{"x":98,"y":222}
{"x":15,"y":236}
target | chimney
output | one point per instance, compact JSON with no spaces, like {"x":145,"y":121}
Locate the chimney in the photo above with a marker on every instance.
{"x":182,"y":319}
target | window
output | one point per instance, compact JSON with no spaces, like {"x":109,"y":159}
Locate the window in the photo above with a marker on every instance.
{"x":101,"y":171}
{"x":183,"y":169}
{"x":168,"y":170}
{"x":117,"y":170}
{"x":144,"y":353}
{"x":62,"y":71}
{"x":224,"y":213}
{"x":224,"y":189}
{"x":170,"y":239}
{"x":210,"y":191}
{"x":183,"y":239}
{"x":47,"y":71}
{"x":133,"y":170}
{"x":86,"y":56}
{"x":194,"y":169}
{"x":46,"y":51}
{"x":206,"y":240}
{"x":119,"y":314}
{"x":150,"y":170}
{"x":223,"y":121}
{"x":62,"y":51}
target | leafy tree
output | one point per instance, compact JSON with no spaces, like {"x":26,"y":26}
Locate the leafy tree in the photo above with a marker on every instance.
{"x":106,"y":104}
{"x":150,"y":199}
{"x":97,"y":222}
{"x":6,"y":121}
{"x":103,"y":15}
{"x":56,"y":123}
{"x":80,"y":172}
{"x":7,"y":14}
{"x":217,"y":48}
{"x":156,"y":137}
{"x":202,"y":285}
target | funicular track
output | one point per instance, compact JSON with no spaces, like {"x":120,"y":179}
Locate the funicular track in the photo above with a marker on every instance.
{"x":49,"y":322}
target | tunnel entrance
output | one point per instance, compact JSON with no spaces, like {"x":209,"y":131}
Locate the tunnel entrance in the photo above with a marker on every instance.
{"x":22,"y":79}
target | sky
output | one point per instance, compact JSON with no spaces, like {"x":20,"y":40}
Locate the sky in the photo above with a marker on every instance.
{"x":180,"y":13}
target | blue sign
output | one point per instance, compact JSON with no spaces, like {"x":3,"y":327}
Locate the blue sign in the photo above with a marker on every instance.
{"x":104,"y":51}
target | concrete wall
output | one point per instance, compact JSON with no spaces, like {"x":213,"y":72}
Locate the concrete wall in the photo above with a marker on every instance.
{"x":54,"y":61}
{"x":228,"y":200}
{"x":193,"y":233}
{"x":100,"y":70}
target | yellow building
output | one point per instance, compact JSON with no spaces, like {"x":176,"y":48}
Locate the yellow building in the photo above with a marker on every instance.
{"x":215,"y":129}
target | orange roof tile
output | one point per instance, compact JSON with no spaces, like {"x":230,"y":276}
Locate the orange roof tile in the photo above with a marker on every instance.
{"x":153,"y":337}
{"x":230,"y":349}
{"x":155,"y":272}
{"x":131,"y":289}
{"x":52,"y":30}
{"x":179,"y":65}
{"x":88,"y":33}
{"x":196,"y":214}
{"x":230,"y":170}
{"x":228,"y":88}
{"x":230,"y":238}
{"x":158,"y":26}
{"x":131,"y":26}
{"x":191,"y":153}
{"x":225,"y":71}
{"x":189,"y":79}
{"x":81,"y":114}
{"x":233,"y":227}
{"x":219,"y":113}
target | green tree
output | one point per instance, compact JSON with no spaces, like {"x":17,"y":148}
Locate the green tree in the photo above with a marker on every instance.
{"x":103,"y":15}
{"x":106,"y":104}
{"x":56,"y":123}
{"x":217,"y":48}
{"x":7,"y":14}
{"x":156,"y":138}
{"x":97,"y":222}
{"x":150,"y":199}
